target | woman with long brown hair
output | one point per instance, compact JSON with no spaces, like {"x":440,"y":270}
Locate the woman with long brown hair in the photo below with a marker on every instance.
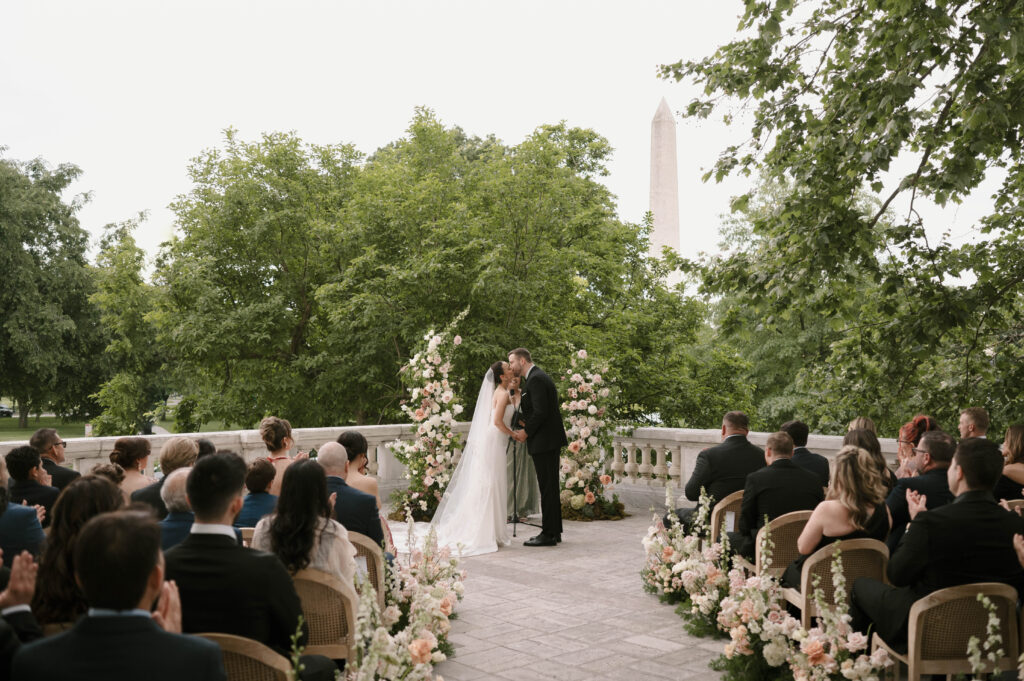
{"x":854,"y":508}
{"x":1011,"y":483}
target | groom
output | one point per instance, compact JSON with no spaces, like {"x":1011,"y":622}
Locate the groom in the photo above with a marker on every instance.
{"x":544,"y":435}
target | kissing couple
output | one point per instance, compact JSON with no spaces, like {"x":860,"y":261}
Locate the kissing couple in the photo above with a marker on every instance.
{"x":472,"y":512}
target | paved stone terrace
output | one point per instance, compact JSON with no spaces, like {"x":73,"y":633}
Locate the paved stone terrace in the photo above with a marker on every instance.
{"x":573,"y":612}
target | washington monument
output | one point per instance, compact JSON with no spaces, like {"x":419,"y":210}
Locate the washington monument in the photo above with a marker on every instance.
{"x":664,"y":181}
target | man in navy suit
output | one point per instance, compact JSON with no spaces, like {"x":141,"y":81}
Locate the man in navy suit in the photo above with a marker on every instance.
{"x":802,"y":456}
{"x":19,"y":527}
{"x":50,"y":446}
{"x":356,"y":510}
{"x":120,"y":569}
{"x":177,"y":525}
{"x":932,"y":458}
{"x":30,"y":483}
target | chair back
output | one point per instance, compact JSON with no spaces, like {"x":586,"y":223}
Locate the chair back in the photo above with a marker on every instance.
{"x":942,"y":623}
{"x":329,"y":607}
{"x":784,"y":532}
{"x":374,"y":556}
{"x":732,"y":503}
{"x":1014,"y":504}
{"x":861,"y":558}
{"x":249,"y":660}
{"x":247,"y":533}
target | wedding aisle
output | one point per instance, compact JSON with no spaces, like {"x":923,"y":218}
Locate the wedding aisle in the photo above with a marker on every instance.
{"x":572,"y":612}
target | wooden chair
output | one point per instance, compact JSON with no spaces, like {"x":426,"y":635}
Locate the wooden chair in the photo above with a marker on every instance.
{"x":784,"y":532}
{"x":941,"y":624}
{"x":249,"y":660}
{"x":861,"y":558}
{"x":374,"y":555}
{"x":329,"y":606}
{"x":731,"y":503}
{"x":247,"y":533}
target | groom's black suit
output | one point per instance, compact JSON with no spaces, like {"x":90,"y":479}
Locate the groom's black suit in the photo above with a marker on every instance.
{"x":545,"y":437}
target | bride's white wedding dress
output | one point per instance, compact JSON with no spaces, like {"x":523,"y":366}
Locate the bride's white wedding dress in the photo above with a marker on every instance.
{"x":472,"y":512}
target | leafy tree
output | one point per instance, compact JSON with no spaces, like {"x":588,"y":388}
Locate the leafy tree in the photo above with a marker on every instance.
{"x":49,"y":333}
{"x":133,"y":357}
{"x":844,"y":92}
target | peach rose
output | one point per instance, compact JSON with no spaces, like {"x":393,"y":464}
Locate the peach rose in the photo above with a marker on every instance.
{"x":419,"y":650}
{"x":590,"y":498}
{"x":814,"y":650}
{"x":446,"y":606}
{"x":574,"y":446}
{"x":606,"y":479}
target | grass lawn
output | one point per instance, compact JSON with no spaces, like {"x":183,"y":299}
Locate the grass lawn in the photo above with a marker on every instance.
{"x":9,"y":429}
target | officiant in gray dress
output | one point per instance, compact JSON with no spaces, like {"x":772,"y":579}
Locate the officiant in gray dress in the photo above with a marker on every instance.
{"x":525,"y":488}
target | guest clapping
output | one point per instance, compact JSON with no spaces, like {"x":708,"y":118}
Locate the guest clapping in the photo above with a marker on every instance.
{"x":932,"y":457}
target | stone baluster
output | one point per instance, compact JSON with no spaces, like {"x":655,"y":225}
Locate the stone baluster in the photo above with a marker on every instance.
{"x":617,"y":467}
{"x":645,"y":467}
{"x":675,"y":469}
{"x":631,"y":465}
{"x":660,"y":471}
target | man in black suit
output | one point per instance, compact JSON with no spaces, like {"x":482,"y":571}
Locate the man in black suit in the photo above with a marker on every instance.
{"x":50,"y":446}
{"x":120,"y":569}
{"x":967,"y":541}
{"x":802,"y":456}
{"x":932,"y":458}
{"x":228,"y":588}
{"x":354,"y":509}
{"x":544,"y":435}
{"x":781,"y":487}
{"x":30,"y":483}
{"x":722,"y":469}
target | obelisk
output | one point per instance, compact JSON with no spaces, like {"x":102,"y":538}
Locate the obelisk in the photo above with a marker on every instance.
{"x":664,"y":181}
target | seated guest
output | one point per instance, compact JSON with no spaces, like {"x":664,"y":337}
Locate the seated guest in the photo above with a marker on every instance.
{"x":205,"y":447}
{"x":779,"y":488}
{"x":259,"y":501}
{"x":58,"y":599}
{"x":356,"y":447}
{"x":178,"y":452}
{"x":909,"y":437}
{"x":20,"y":529}
{"x":119,"y":566}
{"x":30,"y":483}
{"x":131,"y":454}
{"x":17,"y":623}
{"x":356,"y":510}
{"x":302,"y":532}
{"x":277,"y":436}
{"x":863,"y":423}
{"x":110,"y":471}
{"x":854,"y":508}
{"x":226,"y":587}
{"x":973,"y":422}
{"x":722,"y":469}
{"x":50,"y":446}
{"x":177,"y":524}
{"x":802,"y":456}
{"x":932,"y":457}
{"x":868,"y":441}
{"x":1011,"y":482}
{"x":967,"y":541}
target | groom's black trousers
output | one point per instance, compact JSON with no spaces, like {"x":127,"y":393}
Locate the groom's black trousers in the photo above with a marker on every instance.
{"x":546,"y":464}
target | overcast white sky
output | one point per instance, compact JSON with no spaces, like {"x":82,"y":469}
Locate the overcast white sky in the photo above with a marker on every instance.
{"x":130,"y":91}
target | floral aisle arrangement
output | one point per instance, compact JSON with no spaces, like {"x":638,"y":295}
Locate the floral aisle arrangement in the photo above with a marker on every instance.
{"x":433,"y":408}
{"x":589,"y":392}
{"x":410,"y":636}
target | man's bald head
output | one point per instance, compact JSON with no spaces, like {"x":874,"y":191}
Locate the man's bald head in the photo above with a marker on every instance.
{"x":334,"y":459}
{"x":173,"y":491}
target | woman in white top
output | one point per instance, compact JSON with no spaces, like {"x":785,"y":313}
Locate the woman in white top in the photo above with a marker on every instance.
{"x":302,"y":531}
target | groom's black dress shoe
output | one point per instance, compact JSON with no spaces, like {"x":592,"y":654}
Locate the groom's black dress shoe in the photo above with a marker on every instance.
{"x":541,"y":540}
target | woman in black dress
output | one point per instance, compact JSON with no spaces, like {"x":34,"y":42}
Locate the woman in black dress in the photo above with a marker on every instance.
{"x":1011,"y":483}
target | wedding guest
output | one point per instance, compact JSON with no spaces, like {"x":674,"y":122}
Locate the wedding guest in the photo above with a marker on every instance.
{"x":932,"y":457}
{"x":131,"y":454}
{"x":779,"y":488}
{"x":909,"y":436}
{"x":967,"y":541}
{"x":58,"y":599}
{"x":226,"y":587}
{"x":178,"y":452}
{"x":50,"y":446}
{"x":356,"y":510}
{"x":259,"y":501}
{"x":722,"y":469}
{"x":356,"y":447}
{"x":30,"y":483}
{"x":110,"y":471}
{"x":1011,"y":482}
{"x":302,"y":532}
{"x":17,"y":623}
{"x":20,"y":529}
{"x":863,"y":423}
{"x":973,"y":422}
{"x":177,"y":524}
{"x":802,"y":456}
{"x":854,"y":508}
{"x":205,"y":447}
{"x":868,"y":441}
{"x":119,"y":566}
{"x":277,"y":436}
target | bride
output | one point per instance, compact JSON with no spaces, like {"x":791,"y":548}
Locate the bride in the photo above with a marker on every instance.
{"x":472,"y":511}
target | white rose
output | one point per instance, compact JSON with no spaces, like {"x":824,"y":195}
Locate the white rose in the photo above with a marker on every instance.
{"x":457,"y":408}
{"x":591,"y":409}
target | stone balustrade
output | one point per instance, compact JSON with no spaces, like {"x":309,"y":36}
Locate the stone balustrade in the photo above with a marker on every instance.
{"x":657,"y":455}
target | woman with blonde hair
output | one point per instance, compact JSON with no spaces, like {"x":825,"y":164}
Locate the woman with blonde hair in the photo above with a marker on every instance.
{"x":854,"y":508}
{"x":867,"y":440}
{"x":131,"y":454}
{"x":277,"y":436}
{"x":1011,"y":483}
{"x":862,"y":423}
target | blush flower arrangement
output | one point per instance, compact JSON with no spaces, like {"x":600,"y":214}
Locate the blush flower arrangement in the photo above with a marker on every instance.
{"x":433,"y":408}
{"x":589,"y":393}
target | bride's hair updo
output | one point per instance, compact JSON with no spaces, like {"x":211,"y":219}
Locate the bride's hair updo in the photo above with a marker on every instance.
{"x":497,"y":371}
